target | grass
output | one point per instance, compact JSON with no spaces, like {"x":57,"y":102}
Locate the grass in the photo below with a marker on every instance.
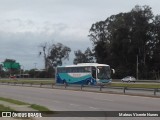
{"x":42,"y":109}
{"x":39,"y":108}
{"x":135,"y":85}
{"x":13,"y":101}
{"x":8,"y":109}
{"x":17,"y":102}
{"x":29,"y":81}
{"x":4,"y":108}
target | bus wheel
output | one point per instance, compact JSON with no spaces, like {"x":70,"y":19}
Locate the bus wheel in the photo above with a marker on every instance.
{"x":64,"y":82}
{"x":88,"y":83}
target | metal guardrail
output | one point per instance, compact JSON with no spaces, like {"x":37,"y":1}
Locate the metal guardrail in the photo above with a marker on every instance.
{"x":113,"y":80}
{"x":98,"y":88}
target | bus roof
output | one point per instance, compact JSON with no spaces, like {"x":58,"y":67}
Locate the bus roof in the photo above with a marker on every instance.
{"x":85,"y":64}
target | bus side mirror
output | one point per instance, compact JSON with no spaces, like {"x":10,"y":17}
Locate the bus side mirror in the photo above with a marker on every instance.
{"x":113,"y":71}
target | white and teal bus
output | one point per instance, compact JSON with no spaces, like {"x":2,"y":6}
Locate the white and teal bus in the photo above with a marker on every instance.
{"x":84,"y":73}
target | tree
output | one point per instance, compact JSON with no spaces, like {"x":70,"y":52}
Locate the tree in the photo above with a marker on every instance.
{"x":44,"y":47}
{"x":86,"y":57}
{"x":154,"y":62}
{"x":57,"y":53}
{"x":89,"y":56}
{"x":120,"y":38}
{"x":1,"y":71}
{"x":80,"y":57}
{"x":53,"y":56}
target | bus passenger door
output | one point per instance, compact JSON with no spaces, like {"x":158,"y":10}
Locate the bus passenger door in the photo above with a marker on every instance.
{"x":94,"y":72}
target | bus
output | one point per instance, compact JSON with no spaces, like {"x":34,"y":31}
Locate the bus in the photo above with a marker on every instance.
{"x":84,"y":74}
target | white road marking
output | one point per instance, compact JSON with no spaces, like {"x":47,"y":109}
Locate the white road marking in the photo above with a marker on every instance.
{"x":74,"y":104}
{"x":56,"y":101}
{"x":93,"y":107}
{"x":106,"y":100}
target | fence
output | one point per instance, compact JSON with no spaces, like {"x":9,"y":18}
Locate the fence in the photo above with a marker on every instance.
{"x":98,"y":88}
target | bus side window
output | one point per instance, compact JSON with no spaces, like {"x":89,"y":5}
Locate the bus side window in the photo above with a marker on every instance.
{"x":94,"y":72}
{"x":62,"y":70}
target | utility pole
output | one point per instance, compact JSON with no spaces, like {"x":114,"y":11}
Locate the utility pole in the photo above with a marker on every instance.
{"x":35,"y":70}
{"x":35,"y":65}
{"x":23,"y":71}
{"x":137,"y":68}
{"x":20,"y":71}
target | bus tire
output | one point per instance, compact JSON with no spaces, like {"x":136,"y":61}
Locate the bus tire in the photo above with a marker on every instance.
{"x":88,"y":82}
{"x":64,"y":82}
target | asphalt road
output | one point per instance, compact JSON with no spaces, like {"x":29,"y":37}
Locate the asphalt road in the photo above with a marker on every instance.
{"x":119,"y":90}
{"x":68,"y":100}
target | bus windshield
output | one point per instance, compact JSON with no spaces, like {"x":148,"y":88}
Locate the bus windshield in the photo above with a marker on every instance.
{"x":103,"y":72}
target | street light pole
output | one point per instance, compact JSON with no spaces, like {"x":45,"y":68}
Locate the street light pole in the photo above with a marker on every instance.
{"x":23,"y":71}
{"x":20,"y":71}
{"x":35,"y":65}
{"x":35,"y":70}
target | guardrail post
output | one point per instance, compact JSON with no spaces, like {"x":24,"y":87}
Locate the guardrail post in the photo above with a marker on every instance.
{"x":22,"y":83}
{"x":155,"y":90}
{"x":81,"y":86}
{"x":65,"y":85}
{"x":40,"y":84}
{"x":124,"y":90}
{"x":100,"y":88}
{"x":52,"y":85}
{"x":14,"y":83}
{"x":31,"y":84}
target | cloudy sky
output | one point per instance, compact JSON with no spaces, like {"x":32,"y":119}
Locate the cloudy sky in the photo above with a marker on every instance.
{"x":26,"y":24}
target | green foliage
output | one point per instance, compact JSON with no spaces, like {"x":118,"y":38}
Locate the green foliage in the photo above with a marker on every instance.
{"x":29,"y":81}
{"x":120,"y":38}
{"x":34,"y":106}
{"x":130,"y":85}
{"x":39,"y":108}
{"x":86,"y":57}
{"x":54,"y":55}
{"x":13,"y":101}
{"x":57,"y":53}
{"x":3,"y":108}
{"x":34,"y":73}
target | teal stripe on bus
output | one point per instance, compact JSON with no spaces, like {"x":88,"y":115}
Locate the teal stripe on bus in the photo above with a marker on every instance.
{"x":67,"y":77}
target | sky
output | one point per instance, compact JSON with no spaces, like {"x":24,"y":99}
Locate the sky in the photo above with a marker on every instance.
{"x":27,"y":24}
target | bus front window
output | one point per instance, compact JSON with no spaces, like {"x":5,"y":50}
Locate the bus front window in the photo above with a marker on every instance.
{"x":103,"y":72}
